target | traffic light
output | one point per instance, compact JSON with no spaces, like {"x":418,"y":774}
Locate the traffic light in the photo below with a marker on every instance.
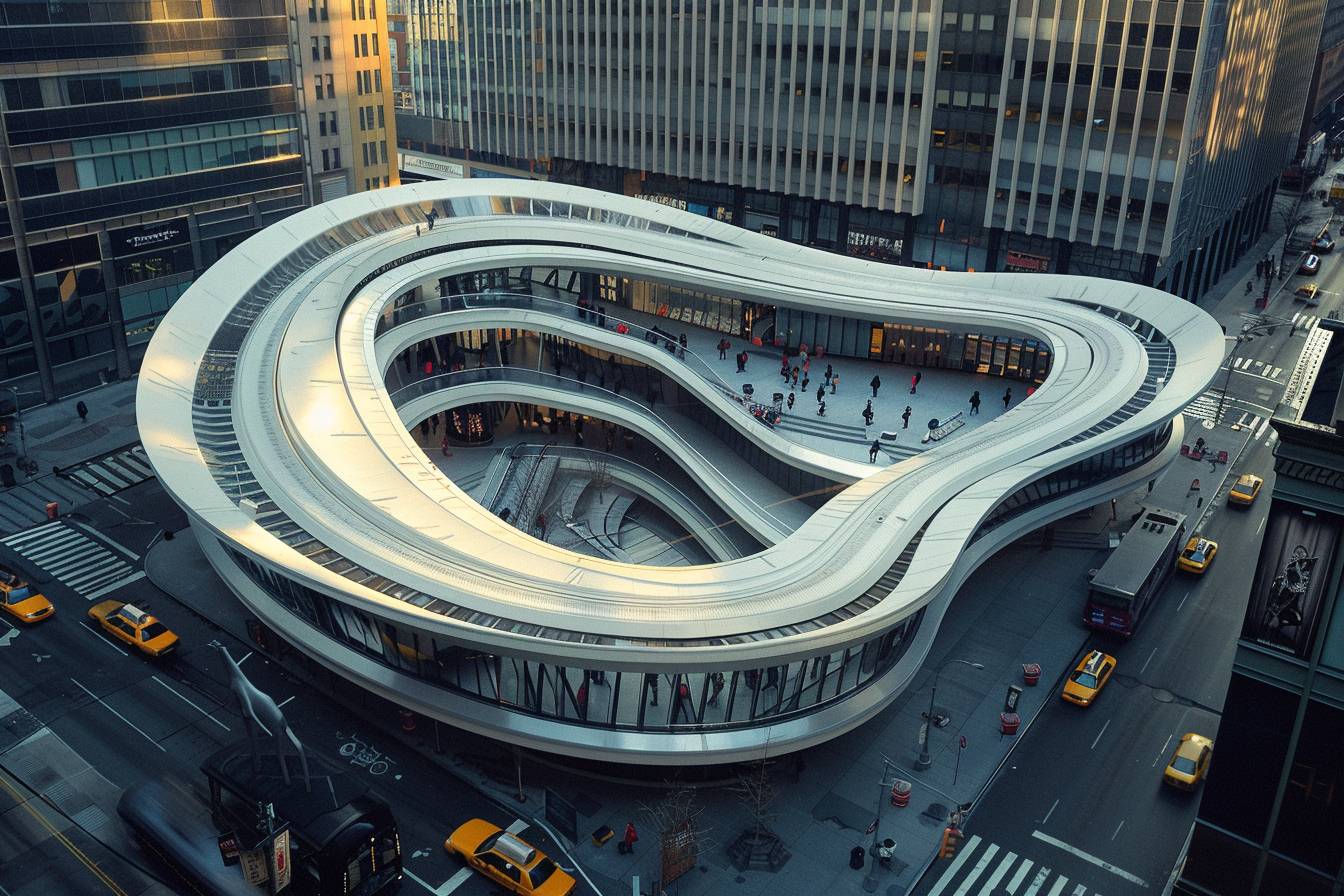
{"x":951,"y":840}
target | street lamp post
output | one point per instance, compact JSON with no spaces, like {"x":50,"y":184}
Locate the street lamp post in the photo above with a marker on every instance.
{"x":925,"y":760}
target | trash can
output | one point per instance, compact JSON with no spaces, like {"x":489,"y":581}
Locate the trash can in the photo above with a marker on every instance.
{"x":1008,"y":722}
{"x":53,"y":510}
{"x":856,"y":858}
{"x":1031,"y":674}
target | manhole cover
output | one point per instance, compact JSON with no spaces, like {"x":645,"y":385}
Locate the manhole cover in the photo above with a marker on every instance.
{"x":936,"y":811}
{"x":1162,"y":696}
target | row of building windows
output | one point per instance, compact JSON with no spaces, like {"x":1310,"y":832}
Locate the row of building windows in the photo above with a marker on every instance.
{"x":660,"y":702}
{"x":369,"y":81}
{"x":316,"y":9}
{"x":367,"y":118}
{"x":55,"y":12}
{"x":328,"y":124}
{"x":359,"y":12}
{"x":375,"y":153}
{"x":361,"y":45}
{"x":111,"y":87}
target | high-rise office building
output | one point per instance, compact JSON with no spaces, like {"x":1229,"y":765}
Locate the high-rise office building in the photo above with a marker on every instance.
{"x":140,"y":141}
{"x":1136,"y":140}
{"x":346,"y":90}
{"x":1271,"y":820}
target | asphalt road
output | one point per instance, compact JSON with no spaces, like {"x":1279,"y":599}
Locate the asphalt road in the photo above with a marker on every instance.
{"x":131,"y":719}
{"x":1080,"y":808}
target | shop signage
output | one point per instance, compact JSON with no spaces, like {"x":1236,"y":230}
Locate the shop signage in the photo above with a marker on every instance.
{"x":280,"y":867}
{"x":874,"y":245}
{"x":1021,"y":261}
{"x":150,"y":236}
{"x":442,"y":169}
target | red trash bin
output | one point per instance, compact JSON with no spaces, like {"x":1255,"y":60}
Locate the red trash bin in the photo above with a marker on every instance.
{"x":53,"y":510}
{"x":1031,"y":674}
{"x":1008,"y":722}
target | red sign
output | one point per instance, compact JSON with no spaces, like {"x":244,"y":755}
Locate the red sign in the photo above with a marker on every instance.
{"x":1020,"y":261}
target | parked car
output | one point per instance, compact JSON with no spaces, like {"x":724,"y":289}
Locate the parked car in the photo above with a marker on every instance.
{"x":1323,"y":244}
{"x":1310,"y":265}
{"x":1088,"y":678}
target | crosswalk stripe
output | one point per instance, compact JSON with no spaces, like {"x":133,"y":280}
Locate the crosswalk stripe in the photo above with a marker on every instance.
{"x":1041,"y":877}
{"x":978,"y":870}
{"x":1058,"y":887}
{"x":953,"y":868}
{"x":1079,"y":890}
{"x":1274,"y":374}
{"x":106,"y":472}
{"x":1264,"y":424}
{"x":1019,"y":876}
{"x":93,"y":482}
{"x":999,"y":872}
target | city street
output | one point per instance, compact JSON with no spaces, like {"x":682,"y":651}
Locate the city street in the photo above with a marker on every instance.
{"x":1081,"y":808}
{"x":130,"y":719}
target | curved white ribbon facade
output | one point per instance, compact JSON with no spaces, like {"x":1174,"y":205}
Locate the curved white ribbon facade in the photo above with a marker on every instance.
{"x":263,"y":408}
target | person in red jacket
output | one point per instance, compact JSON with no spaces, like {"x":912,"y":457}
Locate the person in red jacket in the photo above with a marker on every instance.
{"x":628,"y":841}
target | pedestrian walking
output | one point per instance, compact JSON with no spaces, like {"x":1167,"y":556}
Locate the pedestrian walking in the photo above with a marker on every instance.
{"x":602,"y":316}
{"x":1007,"y":397}
{"x":975,"y":402}
{"x":790,"y":401}
{"x":872,"y":452}
{"x":581,"y":700}
{"x":1250,"y":285}
{"x":724,"y":345}
{"x":803,"y":387}
{"x":429,"y":367}
{"x":821,"y":394}
{"x":715,"y":687}
{"x":868,"y":413}
{"x":627,"y":844}
{"x":821,"y":409}
{"x":875,"y":382}
{"x":417,"y":230}
{"x":741,"y":362}
{"x":83,"y":411}
{"x":835,"y":382}
{"x":829,"y":371}
{"x":650,"y":679}
{"x":795,"y":376}
{"x":784,"y":372}
{"x":914,"y":381}
{"x":905,"y":417}
{"x":681,"y":341}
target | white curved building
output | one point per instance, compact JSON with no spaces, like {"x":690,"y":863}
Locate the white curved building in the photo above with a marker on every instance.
{"x":264,"y":408}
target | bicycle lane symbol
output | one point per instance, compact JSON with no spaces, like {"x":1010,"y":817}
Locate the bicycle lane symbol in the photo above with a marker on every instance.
{"x":363,"y":755}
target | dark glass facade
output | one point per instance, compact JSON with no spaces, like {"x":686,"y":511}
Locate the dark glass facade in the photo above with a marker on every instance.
{"x":121,"y":184}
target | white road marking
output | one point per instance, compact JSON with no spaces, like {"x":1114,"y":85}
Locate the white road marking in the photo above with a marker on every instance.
{"x":1182,"y":603}
{"x":1144,"y":667}
{"x":1274,"y":374}
{"x":1261,"y":430}
{"x":103,"y":638}
{"x":1052,"y":809}
{"x":286,"y":700}
{"x":1037,"y":882}
{"x":978,"y":870}
{"x":1059,"y":886}
{"x":453,"y":883}
{"x":245,"y":657}
{"x":1019,"y":877}
{"x":1088,"y":857}
{"x":1162,"y":752}
{"x":1117,"y":829}
{"x":1080,"y":890}
{"x":952,"y":869}
{"x":194,"y":706}
{"x":517,"y":827}
{"x":1261,"y":526}
{"x":999,"y":872}
{"x":115,"y":585}
{"x":120,"y":716}
{"x":1100,"y":733}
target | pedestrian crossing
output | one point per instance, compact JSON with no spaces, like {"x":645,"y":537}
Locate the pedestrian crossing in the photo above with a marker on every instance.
{"x":1304,"y":322}
{"x":1257,"y":367}
{"x":1205,"y":407}
{"x":75,"y":556}
{"x":112,"y":473}
{"x":981,"y":868}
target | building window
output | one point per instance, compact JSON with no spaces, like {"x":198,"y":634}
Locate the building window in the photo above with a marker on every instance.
{"x":326,"y":48}
{"x":331,"y":86}
{"x":326,"y":160}
{"x":382,"y":150}
{"x":375,"y":44}
{"x":364,"y":44}
{"x":335,"y":129}
{"x":359,"y":83}
{"x":322,"y":124}
{"x":354,"y":39}
{"x":365,"y":147}
{"x":312,"y":10}
{"x":373,"y":9}
{"x":336,"y":157}
{"x":361,"y":118}
{"x":317,"y":87}
{"x":361,"y":9}
{"x":378,"y":80}
{"x":324,"y":10}
{"x":316,"y":54}
{"x":380,"y":117}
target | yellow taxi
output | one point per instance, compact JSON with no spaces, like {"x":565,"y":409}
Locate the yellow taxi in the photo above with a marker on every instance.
{"x":1310,"y":293}
{"x":1190,"y":763}
{"x":21,"y":600}
{"x":1089,"y":678}
{"x":507,"y":860}
{"x":1198,"y":554}
{"x":1246,"y":489}
{"x":131,"y":625}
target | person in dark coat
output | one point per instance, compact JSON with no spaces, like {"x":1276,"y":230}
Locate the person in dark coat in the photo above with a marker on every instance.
{"x":83,"y":411}
{"x":975,"y":402}
{"x":872,"y":452}
{"x":905,"y":417}
{"x":914,"y":381}
{"x":868,"y":414}
{"x":821,"y":394}
{"x":875,"y":383}
{"x":1007,"y":397}
{"x":791,"y":401}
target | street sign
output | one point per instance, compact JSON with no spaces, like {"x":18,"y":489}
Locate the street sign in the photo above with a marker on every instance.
{"x":254,"y":866}
{"x":280,"y":867}
{"x":228,"y":848}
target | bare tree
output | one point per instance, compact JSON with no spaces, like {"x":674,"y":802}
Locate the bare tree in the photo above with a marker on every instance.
{"x":757,"y":847}
{"x":1290,"y":218}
